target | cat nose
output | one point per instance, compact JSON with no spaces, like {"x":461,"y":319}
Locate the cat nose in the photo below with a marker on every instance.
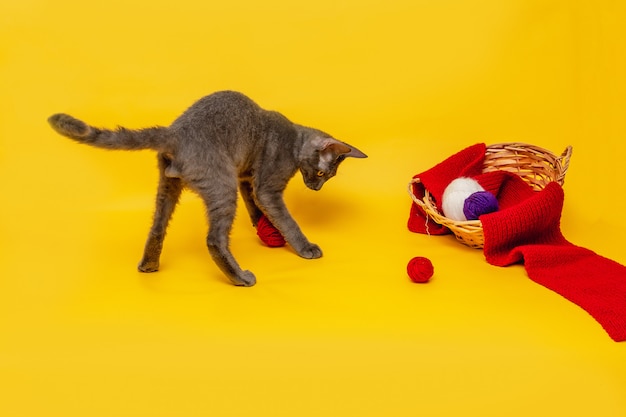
{"x":315,"y":185}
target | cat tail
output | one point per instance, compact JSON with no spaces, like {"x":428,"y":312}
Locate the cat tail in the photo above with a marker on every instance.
{"x":157,"y":138}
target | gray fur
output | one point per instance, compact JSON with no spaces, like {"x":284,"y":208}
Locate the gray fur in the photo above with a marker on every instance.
{"x":223,"y":143}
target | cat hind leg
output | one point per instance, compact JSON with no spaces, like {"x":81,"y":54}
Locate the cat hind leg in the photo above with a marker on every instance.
{"x":168,"y":195}
{"x":245,"y":187}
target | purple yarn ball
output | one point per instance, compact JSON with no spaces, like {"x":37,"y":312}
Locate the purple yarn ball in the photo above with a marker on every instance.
{"x":479,"y":203}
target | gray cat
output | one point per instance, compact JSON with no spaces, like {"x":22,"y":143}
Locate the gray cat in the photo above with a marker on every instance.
{"x":222,"y":143}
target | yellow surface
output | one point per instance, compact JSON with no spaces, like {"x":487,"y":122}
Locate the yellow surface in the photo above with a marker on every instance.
{"x":410,"y":83}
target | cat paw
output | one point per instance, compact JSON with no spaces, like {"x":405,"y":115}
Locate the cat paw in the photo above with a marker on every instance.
{"x":148,"y":266}
{"x":311,"y":251}
{"x":245,"y":279}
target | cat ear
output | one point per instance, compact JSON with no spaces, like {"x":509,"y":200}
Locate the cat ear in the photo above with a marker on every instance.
{"x":355,"y":153}
{"x":337,"y":148}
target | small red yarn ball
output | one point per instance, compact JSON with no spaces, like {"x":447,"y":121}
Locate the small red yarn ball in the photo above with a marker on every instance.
{"x":420,"y":269}
{"x":269,"y":234}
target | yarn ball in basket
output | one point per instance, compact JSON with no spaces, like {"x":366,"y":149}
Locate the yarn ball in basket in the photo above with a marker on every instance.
{"x":420,"y":269}
{"x":465,"y":199}
{"x":479,"y":203}
{"x":269,"y":234}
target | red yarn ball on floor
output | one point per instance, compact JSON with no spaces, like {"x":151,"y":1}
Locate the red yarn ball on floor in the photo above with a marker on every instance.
{"x":420,"y":269}
{"x":269,"y":234}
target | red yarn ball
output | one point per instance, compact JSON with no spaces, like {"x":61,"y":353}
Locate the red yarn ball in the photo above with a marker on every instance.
{"x":420,"y":269}
{"x":269,"y":234}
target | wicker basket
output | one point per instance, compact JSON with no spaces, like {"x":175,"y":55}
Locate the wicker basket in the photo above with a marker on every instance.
{"x":536,"y":166}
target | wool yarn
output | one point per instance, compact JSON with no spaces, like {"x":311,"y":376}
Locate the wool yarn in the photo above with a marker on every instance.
{"x":465,"y":199}
{"x":479,"y":203}
{"x":269,"y":234}
{"x":420,"y":269}
{"x":454,"y":197}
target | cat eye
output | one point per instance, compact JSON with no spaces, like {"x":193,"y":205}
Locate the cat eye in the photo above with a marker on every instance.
{"x":320,"y":173}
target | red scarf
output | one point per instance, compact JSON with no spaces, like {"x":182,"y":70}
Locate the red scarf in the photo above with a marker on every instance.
{"x":526,"y":229}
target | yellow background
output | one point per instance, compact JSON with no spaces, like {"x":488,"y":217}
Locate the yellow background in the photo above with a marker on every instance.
{"x":410,"y":83}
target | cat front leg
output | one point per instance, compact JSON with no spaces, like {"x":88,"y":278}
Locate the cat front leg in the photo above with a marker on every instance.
{"x":273,"y":205}
{"x":309,"y":250}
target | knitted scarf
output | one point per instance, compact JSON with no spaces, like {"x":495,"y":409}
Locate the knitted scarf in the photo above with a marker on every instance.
{"x":526,"y":229}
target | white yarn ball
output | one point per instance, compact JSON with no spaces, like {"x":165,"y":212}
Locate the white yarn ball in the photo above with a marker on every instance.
{"x":454,"y":197}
